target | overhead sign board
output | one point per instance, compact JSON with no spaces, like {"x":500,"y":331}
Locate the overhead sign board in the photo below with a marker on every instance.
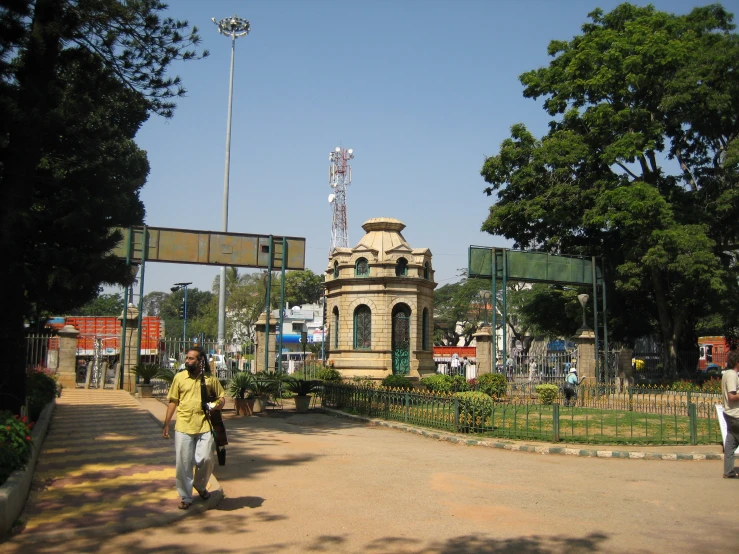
{"x":531,"y":267}
{"x":187,"y":246}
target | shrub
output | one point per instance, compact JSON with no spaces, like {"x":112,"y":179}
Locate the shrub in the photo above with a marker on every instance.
{"x":547,"y":393}
{"x":460,"y":384}
{"x":397,"y":382}
{"x":438,"y":383}
{"x":41,"y":389}
{"x":475,"y":410}
{"x":363,"y":381}
{"x":146,"y":372}
{"x":328,"y":374}
{"x":493,"y":384}
{"x":15,"y":443}
{"x":712,"y":385}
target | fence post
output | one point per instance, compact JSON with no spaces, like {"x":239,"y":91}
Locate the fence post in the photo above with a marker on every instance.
{"x":555,"y":421}
{"x":456,"y":415}
{"x":407,"y":405}
{"x":693,"y":415}
{"x":631,"y":398}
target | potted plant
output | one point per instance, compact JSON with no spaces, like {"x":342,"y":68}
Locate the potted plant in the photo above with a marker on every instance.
{"x":146,"y":372}
{"x":301,"y":388}
{"x":261,"y":388}
{"x":239,"y":387}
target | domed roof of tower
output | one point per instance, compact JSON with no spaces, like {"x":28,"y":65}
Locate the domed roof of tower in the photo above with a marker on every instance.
{"x":383,"y":235}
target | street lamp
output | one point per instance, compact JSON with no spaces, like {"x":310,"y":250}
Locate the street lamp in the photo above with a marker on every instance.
{"x":485,"y":296}
{"x":175,"y":288}
{"x":234,"y":27}
{"x":583,"y":299}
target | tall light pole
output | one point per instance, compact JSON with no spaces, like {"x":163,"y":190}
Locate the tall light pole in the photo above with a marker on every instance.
{"x":233,"y":27}
{"x":175,"y":288}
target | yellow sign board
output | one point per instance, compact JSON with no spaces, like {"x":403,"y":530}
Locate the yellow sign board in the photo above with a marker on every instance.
{"x":187,"y":246}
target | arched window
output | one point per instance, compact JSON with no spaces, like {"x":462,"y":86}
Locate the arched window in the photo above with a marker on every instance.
{"x":426,"y":270}
{"x":401,"y":268}
{"x":362,"y":328}
{"x":336,"y":270}
{"x":336,"y":327}
{"x":425,"y":330}
{"x":361,"y":268}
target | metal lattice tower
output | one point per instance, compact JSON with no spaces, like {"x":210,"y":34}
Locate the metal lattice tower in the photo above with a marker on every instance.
{"x":339,"y":176}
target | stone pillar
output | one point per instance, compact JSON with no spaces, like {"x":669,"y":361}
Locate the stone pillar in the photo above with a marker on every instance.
{"x":132,"y":347}
{"x":484,"y":354}
{"x":585,"y":340}
{"x":259,"y":350}
{"x":67,"y":372}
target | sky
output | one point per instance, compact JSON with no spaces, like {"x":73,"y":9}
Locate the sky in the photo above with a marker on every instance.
{"x":422,"y":91}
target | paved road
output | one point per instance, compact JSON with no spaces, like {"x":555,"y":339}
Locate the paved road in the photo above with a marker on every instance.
{"x":315,"y":483}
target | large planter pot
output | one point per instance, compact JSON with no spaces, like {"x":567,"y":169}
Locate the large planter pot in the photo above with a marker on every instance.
{"x":259,"y":403}
{"x":243,"y":406}
{"x":302,"y":403}
{"x":145,"y":391}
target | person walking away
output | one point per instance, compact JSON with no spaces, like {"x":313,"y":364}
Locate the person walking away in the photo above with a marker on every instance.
{"x":731,"y":413}
{"x":532,"y":370}
{"x":509,"y":366}
{"x":570,"y":388}
{"x":193,"y":440}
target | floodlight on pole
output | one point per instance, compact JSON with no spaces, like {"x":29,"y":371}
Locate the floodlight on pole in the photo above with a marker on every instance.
{"x":233,"y":27}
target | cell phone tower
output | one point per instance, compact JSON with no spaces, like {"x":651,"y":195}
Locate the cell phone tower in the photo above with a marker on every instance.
{"x":339,"y":177}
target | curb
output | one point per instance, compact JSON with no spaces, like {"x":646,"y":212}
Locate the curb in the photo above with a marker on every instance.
{"x":14,"y":492}
{"x":517,"y":447}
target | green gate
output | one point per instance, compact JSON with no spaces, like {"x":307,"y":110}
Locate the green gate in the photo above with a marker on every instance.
{"x":401,"y":340}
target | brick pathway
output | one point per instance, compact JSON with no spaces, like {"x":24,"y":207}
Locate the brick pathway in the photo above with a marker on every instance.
{"x":103,"y":464}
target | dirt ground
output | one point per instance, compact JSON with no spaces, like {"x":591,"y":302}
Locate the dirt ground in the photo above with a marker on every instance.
{"x":317,"y":483}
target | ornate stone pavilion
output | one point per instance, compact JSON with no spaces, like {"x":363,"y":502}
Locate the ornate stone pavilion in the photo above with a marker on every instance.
{"x":380,"y":305}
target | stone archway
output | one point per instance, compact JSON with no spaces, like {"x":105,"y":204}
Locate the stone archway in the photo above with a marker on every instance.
{"x":401,"y":339}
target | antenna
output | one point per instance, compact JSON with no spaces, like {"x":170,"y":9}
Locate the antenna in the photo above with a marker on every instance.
{"x":339,"y":177}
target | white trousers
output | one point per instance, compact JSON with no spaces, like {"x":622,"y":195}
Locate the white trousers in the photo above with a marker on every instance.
{"x":193,"y":453}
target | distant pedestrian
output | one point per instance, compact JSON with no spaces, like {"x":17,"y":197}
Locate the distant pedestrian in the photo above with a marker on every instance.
{"x":570,"y":388}
{"x":729,"y":387}
{"x":193,"y":441}
{"x":532,"y":370}
{"x":509,"y":366}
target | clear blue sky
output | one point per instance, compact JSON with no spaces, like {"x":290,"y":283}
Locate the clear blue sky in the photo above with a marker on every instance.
{"x":422,"y":90}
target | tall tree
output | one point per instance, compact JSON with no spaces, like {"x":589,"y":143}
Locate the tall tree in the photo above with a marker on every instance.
{"x":458,"y":311}
{"x":639,"y":166}
{"x":102,"y":305}
{"x":77,"y":80}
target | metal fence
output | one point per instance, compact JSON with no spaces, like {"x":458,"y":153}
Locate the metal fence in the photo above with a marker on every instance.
{"x":42,"y":350}
{"x":600,"y":414}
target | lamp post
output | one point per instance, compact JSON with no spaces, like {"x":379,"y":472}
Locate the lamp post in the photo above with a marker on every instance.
{"x":583,"y":299}
{"x":175,"y":288}
{"x":233,"y":27}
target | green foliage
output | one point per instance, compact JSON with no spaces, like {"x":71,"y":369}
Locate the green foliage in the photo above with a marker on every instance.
{"x":101,"y":305}
{"x":263,"y":384}
{"x":328,"y":374}
{"x":547,"y":393}
{"x":301,"y":387}
{"x":493,"y":384}
{"x":166,"y":374}
{"x":458,"y":302}
{"x":41,"y":388}
{"x":438,"y":382}
{"x":475,"y":410}
{"x":15,"y":443}
{"x":146,"y":372}
{"x":303,"y":287}
{"x":240,"y":383}
{"x":397,"y":382}
{"x":363,"y":381}
{"x":623,"y":100}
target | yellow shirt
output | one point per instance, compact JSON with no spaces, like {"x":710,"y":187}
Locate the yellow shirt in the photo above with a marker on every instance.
{"x":185,"y":391}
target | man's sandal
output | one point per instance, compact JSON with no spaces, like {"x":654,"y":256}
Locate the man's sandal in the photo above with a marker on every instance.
{"x":184,"y":505}
{"x":205,"y":495}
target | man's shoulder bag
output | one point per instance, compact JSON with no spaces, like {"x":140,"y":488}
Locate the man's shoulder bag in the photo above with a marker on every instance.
{"x":215,"y":419}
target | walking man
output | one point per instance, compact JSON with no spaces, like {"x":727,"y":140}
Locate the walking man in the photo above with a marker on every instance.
{"x":731,"y":413}
{"x":193,"y":440}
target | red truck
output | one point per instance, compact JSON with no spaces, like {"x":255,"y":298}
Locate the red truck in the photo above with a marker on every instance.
{"x":712,"y":352}
{"x":108,"y":330}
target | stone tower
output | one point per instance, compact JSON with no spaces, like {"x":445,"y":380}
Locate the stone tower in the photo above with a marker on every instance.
{"x":380,"y":305}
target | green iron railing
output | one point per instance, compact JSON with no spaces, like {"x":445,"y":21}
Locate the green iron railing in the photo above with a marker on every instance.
{"x":600,"y":414}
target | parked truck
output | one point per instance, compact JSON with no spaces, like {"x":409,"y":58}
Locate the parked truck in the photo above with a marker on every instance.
{"x":106,"y":332}
{"x":712,"y":352}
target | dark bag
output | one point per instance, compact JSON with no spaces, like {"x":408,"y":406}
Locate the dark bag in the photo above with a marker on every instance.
{"x":215,"y":420}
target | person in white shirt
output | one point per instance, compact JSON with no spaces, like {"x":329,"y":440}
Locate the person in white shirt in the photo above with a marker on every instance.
{"x":729,"y":388}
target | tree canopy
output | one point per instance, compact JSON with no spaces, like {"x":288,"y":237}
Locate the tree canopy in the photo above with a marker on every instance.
{"x":639,"y":166}
{"x":77,"y":80}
